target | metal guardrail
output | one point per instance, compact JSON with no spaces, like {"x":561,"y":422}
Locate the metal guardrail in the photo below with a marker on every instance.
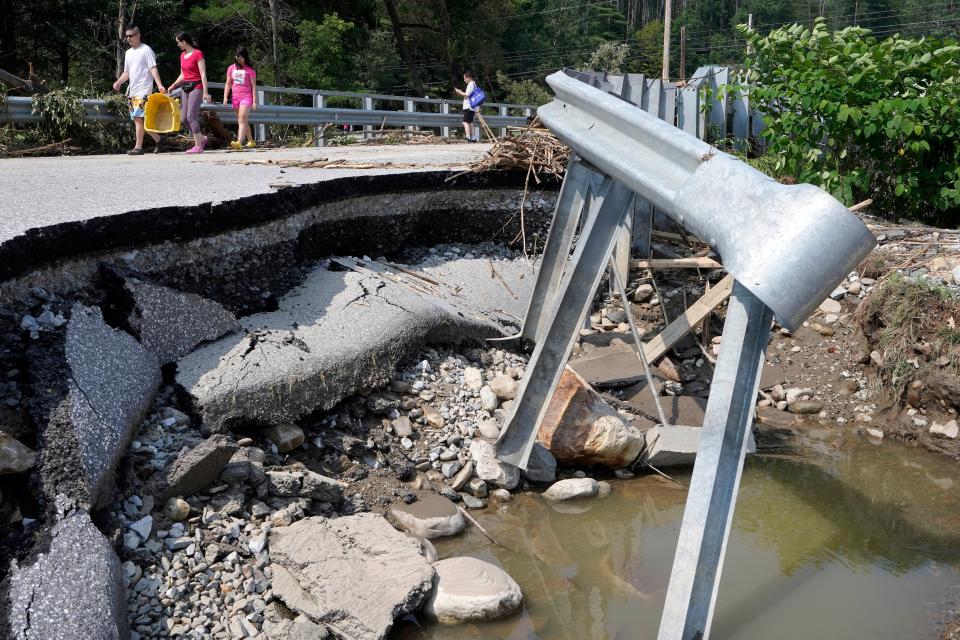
{"x":699,"y":105}
{"x":787,"y":246}
{"x":497,"y":115}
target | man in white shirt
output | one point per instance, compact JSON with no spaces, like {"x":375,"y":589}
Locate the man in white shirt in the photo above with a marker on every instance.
{"x":139,"y":68}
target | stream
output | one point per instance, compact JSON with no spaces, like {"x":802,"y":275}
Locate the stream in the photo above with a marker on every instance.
{"x":842,"y":539}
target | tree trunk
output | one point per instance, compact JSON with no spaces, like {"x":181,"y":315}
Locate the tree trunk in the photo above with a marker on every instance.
{"x":121,"y":30}
{"x":446,"y":28}
{"x":402,"y":47}
{"x":274,"y":42}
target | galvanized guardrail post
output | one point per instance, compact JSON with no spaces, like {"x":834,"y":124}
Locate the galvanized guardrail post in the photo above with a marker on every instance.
{"x":445,"y":110}
{"x":261,"y":129}
{"x":698,"y":561}
{"x":787,"y":246}
{"x":319,"y":102}
{"x":367,"y":129}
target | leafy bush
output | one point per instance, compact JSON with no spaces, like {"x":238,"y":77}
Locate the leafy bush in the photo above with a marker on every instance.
{"x":523,"y":91}
{"x":61,"y":113}
{"x":862,"y":117}
{"x":609,"y":57}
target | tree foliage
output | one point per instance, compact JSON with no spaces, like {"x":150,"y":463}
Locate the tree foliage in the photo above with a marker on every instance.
{"x":861,"y":116}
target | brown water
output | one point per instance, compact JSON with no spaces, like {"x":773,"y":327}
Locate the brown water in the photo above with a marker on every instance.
{"x":851,"y":541}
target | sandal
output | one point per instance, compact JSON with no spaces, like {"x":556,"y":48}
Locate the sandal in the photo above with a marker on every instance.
{"x":195,"y":150}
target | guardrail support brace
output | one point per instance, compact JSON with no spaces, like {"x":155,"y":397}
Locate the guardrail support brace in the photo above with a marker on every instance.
{"x":692,"y":593}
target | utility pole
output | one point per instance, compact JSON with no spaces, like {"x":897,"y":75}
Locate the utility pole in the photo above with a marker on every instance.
{"x":683,"y":53}
{"x":750,"y":27}
{"x":666,"y":40}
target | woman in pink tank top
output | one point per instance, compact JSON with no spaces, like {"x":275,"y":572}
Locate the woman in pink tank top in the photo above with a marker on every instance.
{"x":242,"y":83}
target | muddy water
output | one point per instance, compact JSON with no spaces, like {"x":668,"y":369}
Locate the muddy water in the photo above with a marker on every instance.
{"x":849,"y":540}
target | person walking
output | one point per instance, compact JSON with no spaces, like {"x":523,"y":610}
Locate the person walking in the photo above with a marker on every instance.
{"x":140,"y":70}
{"x":242,"y":83}
{"x":193,"y":76}
{"x":468,"y":111}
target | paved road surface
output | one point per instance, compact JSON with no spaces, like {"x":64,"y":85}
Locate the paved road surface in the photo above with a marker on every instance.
{"x":36,"y":192}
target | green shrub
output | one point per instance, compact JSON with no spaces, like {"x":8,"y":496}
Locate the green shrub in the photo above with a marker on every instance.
{"x":862,"y":117}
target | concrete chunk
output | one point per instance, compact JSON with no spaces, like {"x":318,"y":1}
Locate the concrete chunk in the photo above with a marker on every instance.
{"x":319,"y":346}
{"x":98,"y":383}
{"x":171,"y":323}
{"x":73,"y":590}
{"x":354,"y":574}
{"x":675,"y":446}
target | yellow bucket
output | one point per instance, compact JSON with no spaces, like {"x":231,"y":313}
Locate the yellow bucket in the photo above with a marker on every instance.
{"x":162,"y":114}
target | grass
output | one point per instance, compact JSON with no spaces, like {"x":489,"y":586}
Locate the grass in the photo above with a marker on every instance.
{"x":913,"y":324}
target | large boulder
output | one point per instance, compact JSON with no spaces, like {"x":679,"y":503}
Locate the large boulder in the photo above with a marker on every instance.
{"x":471,"y":590}
{"x":432,"y":516}
{"x":94,"y":384}
{"x":171,"y":323}
{"x":339,"y":332}
{"x":73,"y":590}
{"x":580,"y":428}
{"x":354,"y":574}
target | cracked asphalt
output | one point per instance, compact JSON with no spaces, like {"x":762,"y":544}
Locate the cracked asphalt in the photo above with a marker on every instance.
{"x":38,"y":192}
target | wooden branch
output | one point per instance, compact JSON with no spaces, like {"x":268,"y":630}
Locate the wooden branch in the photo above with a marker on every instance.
{"x":676,"y":263}
{"x":862,"y":205}
{"x":19,"y":84}
{"x":681,"y":326}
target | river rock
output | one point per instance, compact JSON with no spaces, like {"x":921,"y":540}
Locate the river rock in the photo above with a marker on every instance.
{"x":490,"y":469}
{"x":831,"y":306}
{"x":542,"y":465}
{"x":177,"y":509}
{"x":473,"y":378}
{"x":488,"y":400}
{"x":432,"y":516}
{"x":580,"y":428}
{"x":471,"y":590}
{"x":74,"y":589}
{"x":432,"y":417}
{"x":15,"y":457}
{"x":98,"y":383}
{"x":354,"y":574}
{"x":196,"y":468}
{"x":286,"y":435}
{"x":171,"y":323}
{"x":807,"y":406}
{"x":572,"y":489}
{"x":504,"y":386}
{"x":462,"y":476}
{"x":948,"y":430}
{"x":402,"y":427}
{"x":488,"y":428}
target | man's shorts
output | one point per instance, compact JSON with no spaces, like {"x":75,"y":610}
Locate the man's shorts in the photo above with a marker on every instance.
{"x":136,"y":106}
{"x":468,"y":115}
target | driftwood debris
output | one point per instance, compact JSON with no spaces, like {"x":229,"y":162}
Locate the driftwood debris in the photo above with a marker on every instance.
{"x":535,"y":150}
{"x":19,"y":85}
{"x":682,"y":325}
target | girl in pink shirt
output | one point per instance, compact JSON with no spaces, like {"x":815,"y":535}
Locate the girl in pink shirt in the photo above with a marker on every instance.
{"x":242,"y":82}
{"x":193,"y":78}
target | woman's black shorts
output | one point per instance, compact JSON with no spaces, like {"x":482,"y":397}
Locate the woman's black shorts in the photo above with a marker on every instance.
{"x":468,"y":115}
